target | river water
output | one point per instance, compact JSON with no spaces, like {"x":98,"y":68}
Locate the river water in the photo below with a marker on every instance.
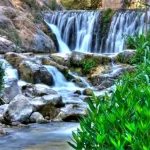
{"x":51,"y":136}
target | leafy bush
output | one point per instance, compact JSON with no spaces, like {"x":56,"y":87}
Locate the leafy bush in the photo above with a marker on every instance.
{"x":140,"y":43}
{"x":87,"y":65}
{"x":120,"y":121}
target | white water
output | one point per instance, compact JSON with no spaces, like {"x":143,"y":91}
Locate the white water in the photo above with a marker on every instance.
{"x":63,"y":48}
{"x":76,"y":29}
{"x":124,"y":23}
{"x":79,"y":30}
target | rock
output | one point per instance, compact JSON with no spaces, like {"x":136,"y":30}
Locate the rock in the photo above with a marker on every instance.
{"x":34,"y":73}
{"x":6,"y":23}
{"x":6,"y":45}
{"x":126,"y":56}
{"x":48,"y":61}
{"x":36,"y":117}
{"x":14,"y":58}
{"x":47,"y":105}
{"x":77,"y":58}
{"x":71,"y":112}
{"x":88,"y":92}
{"x":77,"y":92}
{"x":105,"y":80}
{"x":3,"y":131}
{"x":33,"y":39}
{"x":2,"y":111}
{"x":37,"y":90}
{"x":8,"y":12}
{"x":11,"y":89}
{"x":19,"y":110}
{"x":8,"y":3}
{"x":62,"y":59}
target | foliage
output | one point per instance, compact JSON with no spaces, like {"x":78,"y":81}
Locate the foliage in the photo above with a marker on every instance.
{"x":140,"y":43}
{"x":119,"y":121}
{"x":87,"y":65}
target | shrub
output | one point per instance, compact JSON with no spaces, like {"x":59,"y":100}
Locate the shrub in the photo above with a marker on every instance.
{"x":87,"y":65}
{"x":120,"y":121}
{"x":140,"y":43}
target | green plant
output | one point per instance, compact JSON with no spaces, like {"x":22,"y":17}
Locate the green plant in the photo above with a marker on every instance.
{"x":120,"y":121}
{"x":138,"y":42}
{"x":87,"y":65}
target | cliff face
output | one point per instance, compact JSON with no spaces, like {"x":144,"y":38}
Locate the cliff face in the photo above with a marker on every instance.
{"x":21,"y":26}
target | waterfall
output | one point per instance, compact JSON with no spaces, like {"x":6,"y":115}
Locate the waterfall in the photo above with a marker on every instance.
{"x":80,"y":30}
{"x":77,"y":29}
{"x":58,"y":78}
{"x":123,"y":23}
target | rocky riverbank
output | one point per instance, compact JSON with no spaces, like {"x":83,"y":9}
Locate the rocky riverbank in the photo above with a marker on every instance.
{"x":33,"y":92}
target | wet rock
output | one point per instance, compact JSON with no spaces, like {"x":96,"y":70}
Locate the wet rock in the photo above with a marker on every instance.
{"x":71,"y":112}
{"x":36,"y":117}
{"x":62,"y":59}
{"x":6,"y":45}
{"x":19,"y":110}
{"x":77,"y":92}
{"x":77,"y":57}
{"x":79,"y":82}
{"x":126,"y":56}
{"x":37,"y":90}
{"x":14,"y":58}
{"x":10,"y":90}
{"x":88,"y":92}
{"x":48,"y":61}
{"x":47,"y":105}
{"x":34,"y":73}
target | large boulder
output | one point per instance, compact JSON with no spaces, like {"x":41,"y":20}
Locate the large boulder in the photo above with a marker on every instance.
{"x":77,"y":57}
{"x":10,"y":90}
{"x":19,"y":110}
{"x":34,"y":73}
{"x":47,"y":105}
{"x":36,"y":90}
{"x":126,"y":56}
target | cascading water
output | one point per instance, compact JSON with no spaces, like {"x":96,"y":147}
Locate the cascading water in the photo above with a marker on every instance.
{"x":80,"y":30}
{"x":124,"y":23}
{"x":77,"y":29}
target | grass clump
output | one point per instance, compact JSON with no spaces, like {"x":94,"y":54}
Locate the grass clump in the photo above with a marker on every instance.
{"x":87,"y":65}
{"x":120,"y":121}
